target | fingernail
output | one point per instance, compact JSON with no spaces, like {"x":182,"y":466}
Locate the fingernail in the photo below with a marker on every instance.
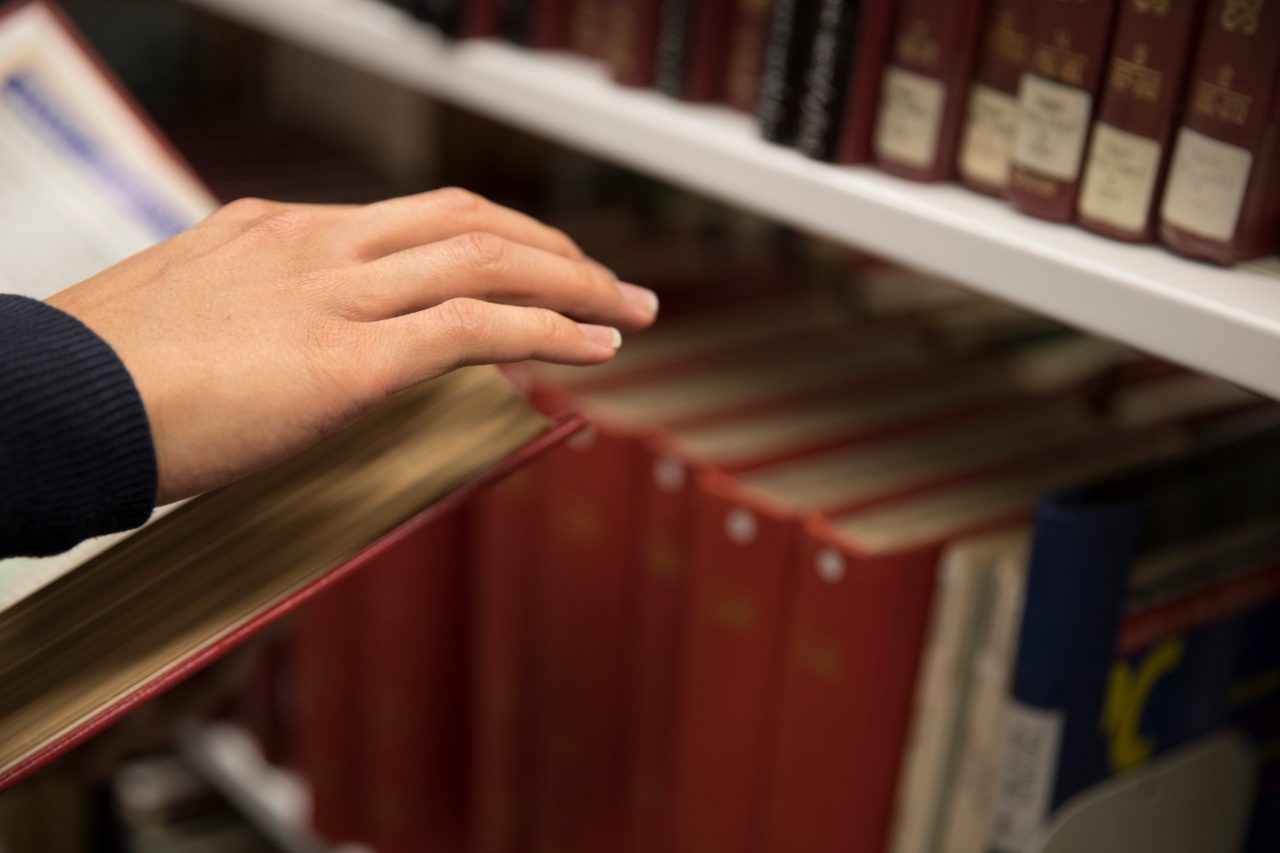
{"x":606,"y":336}
{"x":613,"y":275}
{"x":641,"y":296}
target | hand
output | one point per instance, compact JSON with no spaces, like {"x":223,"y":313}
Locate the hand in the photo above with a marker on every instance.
{"x":268,"y":326}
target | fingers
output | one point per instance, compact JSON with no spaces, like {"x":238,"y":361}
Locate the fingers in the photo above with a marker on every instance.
{"x":484,"y":266}
{"x":401,"y":223}
{"x":421,"y":346}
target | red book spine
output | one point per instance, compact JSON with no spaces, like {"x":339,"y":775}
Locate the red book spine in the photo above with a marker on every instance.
{"x":922,"y":91}
{"x":503,"y":538}
{"x":745,"y":63}
{"x":552,"y":25}
{"x":857,"y":628}
{"x":415,"y":714}
{"x":481,"y":18}
{"x":1141,"y":103}
{"x":738,"y":586}
{"x":707,"y":50}
{"x":632,"y":41}
{"x":659,"y":644}
{"x":991,"y":119}
{"x":585,"y":580}
{"x":862,"y":96}
{"x":1221,"y":202}
{"x":325,"y":659}
{"x":1056,"y":101}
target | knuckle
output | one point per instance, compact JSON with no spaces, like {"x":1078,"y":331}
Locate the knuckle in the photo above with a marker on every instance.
{"x":551,"y":326}
{"x":484,"y":250}
{"x":249,"y":208}
{"x":465,"y":318}
{"x":457,"y":199}
{"x":283,"y":224}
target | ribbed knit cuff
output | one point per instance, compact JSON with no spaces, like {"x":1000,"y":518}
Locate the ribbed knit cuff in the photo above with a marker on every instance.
{"x":76,"y":455}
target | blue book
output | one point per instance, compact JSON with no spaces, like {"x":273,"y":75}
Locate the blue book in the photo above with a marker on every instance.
{"x":1152,"y":617}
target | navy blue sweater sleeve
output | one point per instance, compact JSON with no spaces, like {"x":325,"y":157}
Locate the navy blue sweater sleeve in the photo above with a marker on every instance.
{"x":76,"y":455}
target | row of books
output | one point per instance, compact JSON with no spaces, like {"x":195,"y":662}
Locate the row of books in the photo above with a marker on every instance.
{"x":1137,"y":119}
{"x":791,"y":592}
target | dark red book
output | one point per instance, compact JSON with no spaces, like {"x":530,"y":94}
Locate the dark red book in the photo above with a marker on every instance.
{"x":1221,"y":202}
{"x":991,"y":117}
{"x":414,"y":673}
{"x":550,"y":24}
{"x":693,"y":45}
{"x":862,"y":94}
{"x":503,"y":530}
{"x":631,"y":40}
{"x":481,"y":18}
{"x":1141,"y":104}
{"x":1056,"y":103}
{"x":324,"y":660}
{"x":922,"y":92}
{"x":747,"y":43}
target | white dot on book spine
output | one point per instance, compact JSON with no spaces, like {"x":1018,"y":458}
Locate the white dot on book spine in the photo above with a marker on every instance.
{"x":830,"y":565}
{"x":740,"y":526}
{"x":583,"y":439}
{"x":669,"y":475}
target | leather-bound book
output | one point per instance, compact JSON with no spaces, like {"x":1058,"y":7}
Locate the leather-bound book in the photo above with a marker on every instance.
{"x":785,"y":63}
{"x":1141,"y":102}
{"x":1221,"y":202}
{"x":745,"y":62}
{"x":1056,"y":102}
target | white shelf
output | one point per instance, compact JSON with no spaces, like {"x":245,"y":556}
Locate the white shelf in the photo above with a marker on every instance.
{"x":1224,"y":322}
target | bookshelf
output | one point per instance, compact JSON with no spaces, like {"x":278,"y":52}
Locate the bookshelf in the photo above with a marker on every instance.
{"x":1223,"y":322}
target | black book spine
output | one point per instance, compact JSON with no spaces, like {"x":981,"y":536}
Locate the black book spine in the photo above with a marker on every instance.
{"x":673,"y":42}
{"x":444,"y":15}
{"x":785,"y":64}
{"x":827,"y":80}
{"x":516,"y":20}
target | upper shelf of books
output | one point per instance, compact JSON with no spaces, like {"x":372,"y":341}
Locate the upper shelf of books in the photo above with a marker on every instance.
{"x":1221,"y":321}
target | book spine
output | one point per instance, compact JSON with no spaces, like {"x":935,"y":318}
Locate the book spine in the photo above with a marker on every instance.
{"x":585,"y":572}
{"x":414,"y":726}
{"x":659,"y":648}
{"x":1141,"y":102}
{"x":1056,"y":100}
{"x":991,"y":120}
{"x":745,"y":62}
{"x":922,"y":91}
{"x":632,"y":41}
{"x":672,"y":52}
{"x":707,"y":50}
{"x":324,"y":662}
{"x":515,"y":20}
{"x":785,"y":63}
{"x":1075,"y":589}
{"x":1220,"y":203}
{"x":739,"y":585}
{"x":551,"y":24}
{"x":586,"y":27}
{"x":856,"y":630}
{"x":444,"y":15}
{"x":503,"y":537}
{"x":862,"y":102}
{"x":481,"y":18}
{"x":822,"y":103}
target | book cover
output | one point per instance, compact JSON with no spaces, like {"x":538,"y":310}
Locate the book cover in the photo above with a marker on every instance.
{"x":1140,"y":105}
{"x":504,"y":526}
{"x":859,"y":613}
{"x":823,"y":99}
{"x":1218,"y":204}
{"x":874,"y":32}
{"x":991,"y":118}
{"x":1157,"y":577}
{"x":413,"y":674}
{"x":746,"y":53}
{"x":1057,"y":97}
{"x":922,"y":90}
{"x":785,"y":63}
